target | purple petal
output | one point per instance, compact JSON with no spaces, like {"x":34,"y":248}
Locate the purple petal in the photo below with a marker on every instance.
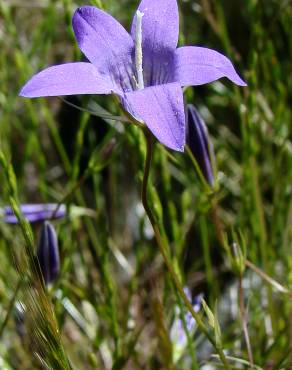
{"x":34,"y":212}
{"x":160,"y":27}
{"x":66,"y":79}
{"x":188,"y":293}
{"x":106,"y":44}
{"x":162,"y":109}
{"x":197,"y":66}
{"x":197,"y":302}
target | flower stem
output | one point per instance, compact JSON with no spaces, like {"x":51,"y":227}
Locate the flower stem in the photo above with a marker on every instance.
{"x":11,"y":306}
{"x":244,"y":323}
{"x":165,"y":254}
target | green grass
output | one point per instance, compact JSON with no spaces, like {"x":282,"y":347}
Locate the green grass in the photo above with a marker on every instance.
{"x":113,"y":304}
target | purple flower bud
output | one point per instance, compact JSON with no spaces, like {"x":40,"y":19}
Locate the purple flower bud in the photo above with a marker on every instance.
{"x":48,"y":253}
{"x":197,"y":139}
{"x":34,"y":212}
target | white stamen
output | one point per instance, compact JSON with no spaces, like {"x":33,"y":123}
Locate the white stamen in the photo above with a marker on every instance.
{"x":135,"y":82}
{"x":138,"y":50}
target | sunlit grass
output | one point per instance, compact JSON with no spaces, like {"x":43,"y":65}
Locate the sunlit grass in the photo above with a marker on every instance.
{"x":114,"y":302}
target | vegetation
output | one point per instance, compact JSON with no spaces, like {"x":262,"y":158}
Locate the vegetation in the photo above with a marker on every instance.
{"x":119,"y":291}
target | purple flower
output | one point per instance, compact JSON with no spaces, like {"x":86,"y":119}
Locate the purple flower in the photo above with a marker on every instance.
{"x":48,"y":253}
{"x":144,"y":68}
{"x":198,"y":141}
{"x":34,"y":212}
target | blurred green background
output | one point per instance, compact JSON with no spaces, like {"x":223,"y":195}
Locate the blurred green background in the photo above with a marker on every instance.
{"x":114,"y":301}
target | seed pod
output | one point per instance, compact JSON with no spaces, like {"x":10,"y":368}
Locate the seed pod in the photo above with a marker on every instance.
{"x":197,"y":139}
{"x":48,"y":253}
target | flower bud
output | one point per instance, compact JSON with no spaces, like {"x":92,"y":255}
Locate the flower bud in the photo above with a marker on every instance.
{"x":197,"y":139}
{"x":48,"y":253}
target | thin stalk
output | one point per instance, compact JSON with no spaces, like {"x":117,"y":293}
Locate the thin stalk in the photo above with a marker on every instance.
{"x":279,"y":287}
{"x":190,"y":342}
{"x":211,"y":281}
{"x":263,"y":244}
{"x":93,"y":113}
{"x":219,"y":227}
{"x":244,"y":322}
{"x":10,"y":307}
{"x":164,"y":251}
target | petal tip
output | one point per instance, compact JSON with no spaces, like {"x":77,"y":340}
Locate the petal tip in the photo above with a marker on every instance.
{"x":80,"y":12}
{"x":24,"y":93}
{"x":178,"y":146}
{"x":181,"y":149}
{"x":82,"y":8}
{"x":240,"y":82}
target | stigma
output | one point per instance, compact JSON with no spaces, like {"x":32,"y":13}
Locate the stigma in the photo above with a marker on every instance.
{"x":138,"y":50}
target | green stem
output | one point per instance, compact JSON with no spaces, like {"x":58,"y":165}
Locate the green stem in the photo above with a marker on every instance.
{"x":190,"y":341}
{"x":263,"y":238}
{"x":243,"y":317}
{"x":10,"y":307}
{"x":211,"y":281}
{"x":164,"y":251}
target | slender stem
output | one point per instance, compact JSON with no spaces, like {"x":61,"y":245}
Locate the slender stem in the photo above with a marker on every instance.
{"x":279,"y":287}
{"x":11,"y":306}
{"x":244,"y":323}
{"x":219,"y":228}
{"x":93,"y":113}
{"x":211,"y":281}
{"x":71,"y":192}
{"x":189,"y":336}
{"x":164,"y":251}
{"x":263,"y":239}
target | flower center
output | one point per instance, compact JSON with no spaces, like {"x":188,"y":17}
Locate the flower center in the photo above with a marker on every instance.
{"x":138,"y":50}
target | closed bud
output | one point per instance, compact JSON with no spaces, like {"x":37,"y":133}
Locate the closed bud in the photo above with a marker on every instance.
{"x":197,"y":139}
{"x":48,"y":253}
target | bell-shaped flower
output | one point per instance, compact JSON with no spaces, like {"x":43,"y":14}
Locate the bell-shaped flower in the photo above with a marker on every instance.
{"x":34,"y":213}
{"x":144,"y":68}
{"x":197,"y":139}
{"x":48,"y":253}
